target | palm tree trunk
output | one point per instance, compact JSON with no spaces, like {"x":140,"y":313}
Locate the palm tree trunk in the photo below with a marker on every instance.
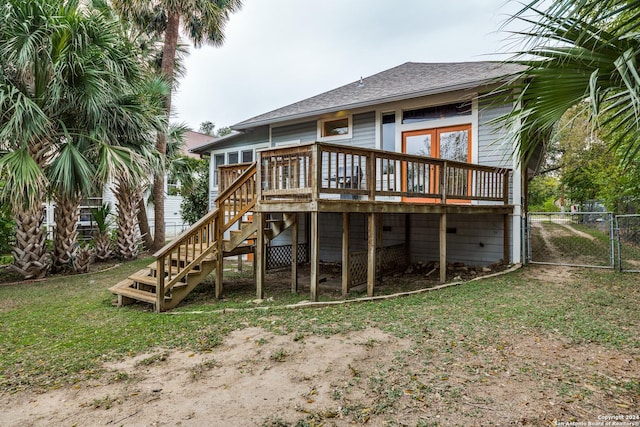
{"x":143,"y":223}
{"x":66,"y":232}
{"x":128,"y":245}
{"x":30,"y":251}
{"x":167,"y":68}
{"x":102,"y":244}
{"x":31,"y":259}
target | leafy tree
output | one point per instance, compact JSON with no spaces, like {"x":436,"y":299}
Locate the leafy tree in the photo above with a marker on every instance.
{"x":207,"y":127}
{"x":203,"y":21}
{"x":195,"y":203}
{"x":223,"y":131}
{"x":6,"y":227}
{"x":543,"y":193}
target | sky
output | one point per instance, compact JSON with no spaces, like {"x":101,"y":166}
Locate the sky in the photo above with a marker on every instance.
{"x":278,"y":52}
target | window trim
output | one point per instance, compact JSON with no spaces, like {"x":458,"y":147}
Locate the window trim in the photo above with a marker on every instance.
{"x":215,"y":167}
{"x":322,"y":122}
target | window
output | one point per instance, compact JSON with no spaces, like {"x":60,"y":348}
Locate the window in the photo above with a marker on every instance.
{"x":389,"y":131}
{"x":334,"y":128}
{"x":388,"y":135}
{"x":218,"y":160}
{"x":437,"y":112}
{"x":247,"y":156}
{"x":233,"y":158}
{"x":173,"y":187}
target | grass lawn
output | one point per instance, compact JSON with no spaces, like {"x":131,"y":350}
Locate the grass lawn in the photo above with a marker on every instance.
{"x":62,"y":330}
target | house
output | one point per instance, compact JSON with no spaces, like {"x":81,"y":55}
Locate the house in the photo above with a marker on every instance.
{"x":403,"y":166}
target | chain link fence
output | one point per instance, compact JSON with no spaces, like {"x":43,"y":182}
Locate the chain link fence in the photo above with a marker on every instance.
{"x":581,"y":239}
{"x":628,"y":232}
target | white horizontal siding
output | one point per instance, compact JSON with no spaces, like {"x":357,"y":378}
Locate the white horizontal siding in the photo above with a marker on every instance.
{"x":494,"y":144}
{"x":302,"y":132}
{"x":477,"y":240}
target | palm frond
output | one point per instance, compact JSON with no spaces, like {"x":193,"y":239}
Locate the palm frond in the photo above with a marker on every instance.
{"x":24,"y":180}
{"x":71,"y":173}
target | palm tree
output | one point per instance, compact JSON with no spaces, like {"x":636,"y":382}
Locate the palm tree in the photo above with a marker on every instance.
{"x":71,"y":177}
{"x":102,"y":235}
{"x":203,"y":21}
{"x":582,"y":53}
{"x":67,"y":76}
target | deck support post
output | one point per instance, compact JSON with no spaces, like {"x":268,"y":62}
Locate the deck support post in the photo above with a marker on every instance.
{"x":371,"y":250}
{"x":346,"y":267}
{"x":294,"y":256}
{"x":506,"y":239}
{"x":315,"y":257}
{"x":443,"y":247}
{"x":407,"y":238}
{"x":260,"y":255}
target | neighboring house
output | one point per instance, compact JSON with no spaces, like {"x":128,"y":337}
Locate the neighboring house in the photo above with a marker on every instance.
{"x":174,"y":224}
{"x":407,"y":165}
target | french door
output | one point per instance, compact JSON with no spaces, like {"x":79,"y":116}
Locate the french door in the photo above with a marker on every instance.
{"x":449,"y":143}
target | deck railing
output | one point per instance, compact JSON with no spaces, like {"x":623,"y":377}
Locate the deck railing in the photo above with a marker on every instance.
{"x":320,"y":170}
{"x":228,"y":174}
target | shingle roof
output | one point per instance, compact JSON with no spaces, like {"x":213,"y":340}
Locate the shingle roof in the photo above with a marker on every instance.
{"x":215,"y":142}
{"x":405,"y":81}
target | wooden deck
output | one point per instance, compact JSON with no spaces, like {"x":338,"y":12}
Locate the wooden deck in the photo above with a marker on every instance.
{"x":314,"y":179}
{"x":321,"y":177}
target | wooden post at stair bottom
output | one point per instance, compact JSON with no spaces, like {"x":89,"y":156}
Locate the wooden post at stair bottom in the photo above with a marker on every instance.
{"x":371,"y":251}
{"x":315,"y":257}
{"x":260,"y":255}
{"x":294,"y":256}
{"x":443,"y":247}
{"x":346,"y":268}
{"x":219,"y":260}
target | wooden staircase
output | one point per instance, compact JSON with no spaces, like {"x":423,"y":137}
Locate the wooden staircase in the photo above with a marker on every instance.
{"x":186,"y":261}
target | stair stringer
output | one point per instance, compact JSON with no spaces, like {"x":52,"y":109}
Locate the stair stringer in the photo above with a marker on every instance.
{"x":191,"y":280}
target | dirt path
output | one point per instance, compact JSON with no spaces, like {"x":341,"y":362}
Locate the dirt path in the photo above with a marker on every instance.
{"x":259,"y":379}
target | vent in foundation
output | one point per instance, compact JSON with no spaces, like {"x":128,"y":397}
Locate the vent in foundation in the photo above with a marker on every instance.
{"x":452,"y":230}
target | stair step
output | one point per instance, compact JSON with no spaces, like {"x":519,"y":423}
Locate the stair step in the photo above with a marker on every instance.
{"x":147,"y":280}
{"x":126,"y":283}
{"x":137,"y":294}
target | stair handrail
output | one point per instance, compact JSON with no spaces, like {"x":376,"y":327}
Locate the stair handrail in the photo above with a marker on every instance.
{"x":201,"y":236}
{"x":246,"y":179}
{"x":205,"y":235}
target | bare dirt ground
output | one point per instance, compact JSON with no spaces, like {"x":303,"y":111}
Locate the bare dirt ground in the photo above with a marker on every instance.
{"x":367,"y":377}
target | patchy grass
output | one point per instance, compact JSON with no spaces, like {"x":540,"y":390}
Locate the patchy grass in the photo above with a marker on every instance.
{"x":61,"y":330}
